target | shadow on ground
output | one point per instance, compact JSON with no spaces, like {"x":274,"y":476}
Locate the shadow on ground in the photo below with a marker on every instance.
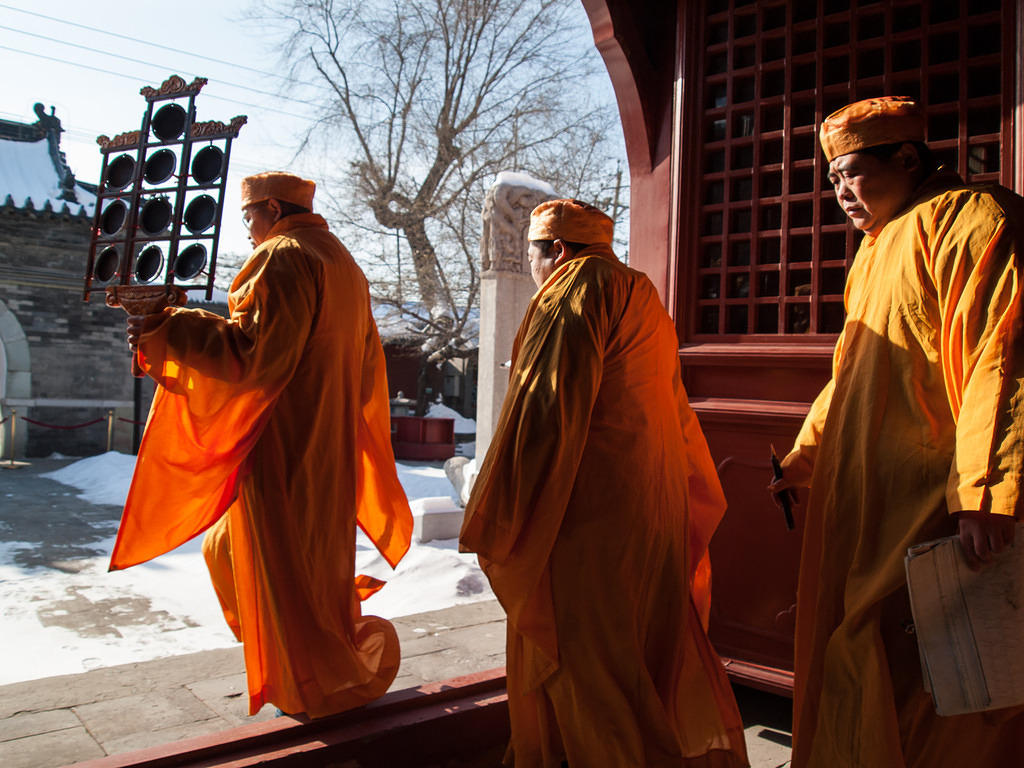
{"x":53,"y":526}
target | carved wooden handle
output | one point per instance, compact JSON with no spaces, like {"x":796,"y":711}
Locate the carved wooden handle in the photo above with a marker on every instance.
{"x":144,"y":300}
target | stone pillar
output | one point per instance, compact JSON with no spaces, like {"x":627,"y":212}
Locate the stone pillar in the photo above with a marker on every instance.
{"x":506,"y":287}
{"x":505,"y":290}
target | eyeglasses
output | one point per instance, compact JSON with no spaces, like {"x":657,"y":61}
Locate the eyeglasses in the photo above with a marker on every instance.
{"x":247,"y":214}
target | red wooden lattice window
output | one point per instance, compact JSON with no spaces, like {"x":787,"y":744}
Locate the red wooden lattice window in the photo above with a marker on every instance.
{"x":773,"y":246}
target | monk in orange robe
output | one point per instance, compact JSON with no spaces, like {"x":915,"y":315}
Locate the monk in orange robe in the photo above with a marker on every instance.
{"x":271,"y":430}
{"x":917,"y":436}
{"x":591,"y":517}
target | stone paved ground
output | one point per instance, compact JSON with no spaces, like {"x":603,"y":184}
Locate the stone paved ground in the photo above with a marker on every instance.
{"x":49,"y":516}
{"x":61,"y":720}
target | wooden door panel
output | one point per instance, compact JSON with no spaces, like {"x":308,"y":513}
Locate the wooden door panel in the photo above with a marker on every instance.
{"x":766,"y":373}
{"x":753,"y":554}
{"x":763,"y":248}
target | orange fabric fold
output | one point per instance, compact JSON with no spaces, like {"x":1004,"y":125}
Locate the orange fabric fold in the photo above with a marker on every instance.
{"x":273,"y":427}
{"x":591,"y":517}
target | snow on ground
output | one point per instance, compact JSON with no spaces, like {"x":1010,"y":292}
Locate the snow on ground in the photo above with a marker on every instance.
{"x":462,"y":424}
{"x":55,"y":622}
{"x":430,"y":577}
{"x":102,"y":479}
{"x":59,"y":623}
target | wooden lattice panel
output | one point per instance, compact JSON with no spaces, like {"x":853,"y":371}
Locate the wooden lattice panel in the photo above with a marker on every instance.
{"x":772,"y":244}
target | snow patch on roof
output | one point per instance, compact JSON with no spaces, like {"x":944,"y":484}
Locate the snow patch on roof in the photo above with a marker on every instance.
{"x":27,"y":175}
{"x":392,"y":323}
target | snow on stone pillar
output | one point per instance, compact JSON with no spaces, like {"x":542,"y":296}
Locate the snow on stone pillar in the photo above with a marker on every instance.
{"x":505,"y":289}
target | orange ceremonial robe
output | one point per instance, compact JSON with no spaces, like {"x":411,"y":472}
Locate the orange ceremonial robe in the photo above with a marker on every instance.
{"x":280,"y":418}
{"x":591,"y":516}
{"x":923,"y":418}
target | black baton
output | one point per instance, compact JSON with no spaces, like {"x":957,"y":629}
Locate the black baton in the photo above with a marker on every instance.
{"x":785,"y":497}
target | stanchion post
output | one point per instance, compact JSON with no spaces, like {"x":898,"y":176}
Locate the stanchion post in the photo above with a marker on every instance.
{"x":136,"y":414}
{"x":14,"y":419}
{"x":110,"y":430}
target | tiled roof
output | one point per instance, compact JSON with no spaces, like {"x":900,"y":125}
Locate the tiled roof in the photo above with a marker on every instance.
{"x":33,"y":171}
{"x":396,"y":325}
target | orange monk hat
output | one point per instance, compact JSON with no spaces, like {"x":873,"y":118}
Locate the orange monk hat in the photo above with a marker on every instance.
{"x":280,"y":186}
{"x":871,"y":123}
{"x":571,"y":220}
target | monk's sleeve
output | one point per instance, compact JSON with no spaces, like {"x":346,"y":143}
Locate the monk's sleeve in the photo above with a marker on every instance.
{"x":218,"y":379}
{"x":383,"y":509}
{"x":527,"y":477}
{"x":256,"y":349}
{"x":798,"y":464}
{"x":974,"y":264}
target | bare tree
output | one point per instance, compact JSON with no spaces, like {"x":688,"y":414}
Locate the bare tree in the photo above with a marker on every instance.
{"x":423,"y":103}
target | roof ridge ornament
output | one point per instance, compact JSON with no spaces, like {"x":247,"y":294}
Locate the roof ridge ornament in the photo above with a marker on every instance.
{"x":125,"y":140}
{"x":215,"y":128}
{"x":173,"y":87}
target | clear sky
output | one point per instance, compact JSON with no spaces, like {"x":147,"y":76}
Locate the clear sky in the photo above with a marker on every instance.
{"x":89,"y":60}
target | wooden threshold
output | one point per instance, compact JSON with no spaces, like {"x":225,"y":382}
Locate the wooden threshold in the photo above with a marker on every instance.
{"x":462,"y":722}
{"x":448,"y":721}
{"x":769,"y":679}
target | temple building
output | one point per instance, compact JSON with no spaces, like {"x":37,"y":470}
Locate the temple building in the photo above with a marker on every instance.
{"x":63,"y":362}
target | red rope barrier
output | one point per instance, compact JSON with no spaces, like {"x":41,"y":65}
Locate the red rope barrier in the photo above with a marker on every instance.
{"x":126,"y":421}
{"x":57,"y":426}
{"x":4,"y":420}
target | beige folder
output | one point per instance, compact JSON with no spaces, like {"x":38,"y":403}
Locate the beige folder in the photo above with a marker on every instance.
{"x":969,"y":626}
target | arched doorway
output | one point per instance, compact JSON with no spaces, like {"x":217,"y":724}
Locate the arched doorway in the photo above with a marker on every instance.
{"x":15,"y":376}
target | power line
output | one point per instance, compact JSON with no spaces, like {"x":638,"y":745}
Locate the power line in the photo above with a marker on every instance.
{"x":143,"y":62}
{"x":239,"y":158}
{"x":135,"y":78}
{"x":139,"y":40}
{"x":78,"y":134}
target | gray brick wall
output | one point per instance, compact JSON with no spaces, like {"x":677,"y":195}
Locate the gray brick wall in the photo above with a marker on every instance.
{"x":77,"y":349}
